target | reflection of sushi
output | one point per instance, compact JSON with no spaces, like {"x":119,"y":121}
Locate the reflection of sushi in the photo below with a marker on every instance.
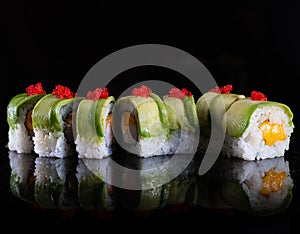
{"x":94,"y":136}
{"x":152,"y":187}
{"x":262,"y":187}
{"x":52,"y":123}
{"x":19,"y":112}
{"x":22,"y":175}
{"x":55,"y":183}
{"x":254,"y":127}
{"x":93,"y":192}
{"x":183,"y":121}
{"x":140,"y":123}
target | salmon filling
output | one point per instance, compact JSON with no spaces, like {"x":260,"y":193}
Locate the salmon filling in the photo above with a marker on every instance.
{"x":129,"y":128}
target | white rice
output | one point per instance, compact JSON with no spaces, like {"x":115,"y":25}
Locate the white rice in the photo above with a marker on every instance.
{"x":101,"y":150}
{"x":182,"y":142}
{"x":19,"y":139}
{"x":149,"y":146}
{"x":49,"y":144}
{"x":251,"y":146}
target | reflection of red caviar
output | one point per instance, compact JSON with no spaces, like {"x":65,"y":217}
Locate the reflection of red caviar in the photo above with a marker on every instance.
{"x":258,"y":96}
{"x":35,"y":89}
{"x":143,"y":91}
{"x":225,"y":89}
{"x":97,"y":94}
{"x":63,"y":92}
{"x":177,"y":93}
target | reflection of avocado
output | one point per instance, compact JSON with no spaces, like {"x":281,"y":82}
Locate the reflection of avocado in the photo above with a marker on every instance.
{"x":180,"y":190}
{"x":21,"y":177}
{"x":93,"y":191}
{"x":55,"y":186}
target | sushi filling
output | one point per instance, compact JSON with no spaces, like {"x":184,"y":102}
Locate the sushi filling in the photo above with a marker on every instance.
{"x":28,"y":123}
{"x":129,"y":128}
{"x":68,"y":129}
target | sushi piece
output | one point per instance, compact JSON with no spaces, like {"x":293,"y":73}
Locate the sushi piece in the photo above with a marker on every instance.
{"x":140,"y":123}
{"x":94,"y":193}
{"x":183,"y":121}
{"x":52,"y":121}
{"x":94,"y":138}
{"x":254,"y":127}
{"x":55,"y":183}
{"x":19,"y":111}
{"x":261,"y":188}
{"x":22,"y":179}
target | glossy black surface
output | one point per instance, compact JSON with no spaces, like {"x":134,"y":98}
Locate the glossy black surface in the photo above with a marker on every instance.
{"x":187,"y":201}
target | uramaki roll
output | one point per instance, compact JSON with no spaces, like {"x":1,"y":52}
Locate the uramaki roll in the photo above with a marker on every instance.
{"x":183,"y":121}
{"x":254,"y":128}
{"x":52,"y":119}
{"x":19,"y":111}
{"x":140,"y":123}
{"x":94,"y":137}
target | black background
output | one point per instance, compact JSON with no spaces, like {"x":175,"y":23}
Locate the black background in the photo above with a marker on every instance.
{"x":253,"y":45}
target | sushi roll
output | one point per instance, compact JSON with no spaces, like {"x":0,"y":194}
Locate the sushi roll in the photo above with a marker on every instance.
{"x":140,"y":123}
{"x":52,"y":121}
{"x":261,"y":187}
{"x":94,"y":138}
{"x":94,"y":193}
{"x":254,"y":127}
{"x":183,"y":121}
{"x":19,"y":111}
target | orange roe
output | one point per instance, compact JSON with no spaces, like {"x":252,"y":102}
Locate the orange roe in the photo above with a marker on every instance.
{"x":177,"y":93}
{"x":63,"y":92}
{"x":97,"y":94}
{"x":143,"y":91}
{"x":224,"y":89}
{"x":35,"y":89}
{"x":258,"y":96}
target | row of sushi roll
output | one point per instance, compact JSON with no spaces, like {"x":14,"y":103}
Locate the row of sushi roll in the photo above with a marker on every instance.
{"x":261,"y":187}
{"x":61,"y":123}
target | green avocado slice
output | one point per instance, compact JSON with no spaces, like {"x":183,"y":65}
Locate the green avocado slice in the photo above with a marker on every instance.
{"x":90,"y":122}
{"x":47,"y":112}
{"x":16,"y":103}
{"x":239,"y":114}
{"x":150,"y":113}
{"x":181,"y":113}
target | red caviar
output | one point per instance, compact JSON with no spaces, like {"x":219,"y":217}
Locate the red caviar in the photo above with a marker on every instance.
{"x":63,"y":92}
{"x":177,"y":93}
{"x":224,"y":89}
{"x":97,"y":94}
{"x":258,"y":96}
{"x":35,"y":89}
{"x":143,"y":91}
